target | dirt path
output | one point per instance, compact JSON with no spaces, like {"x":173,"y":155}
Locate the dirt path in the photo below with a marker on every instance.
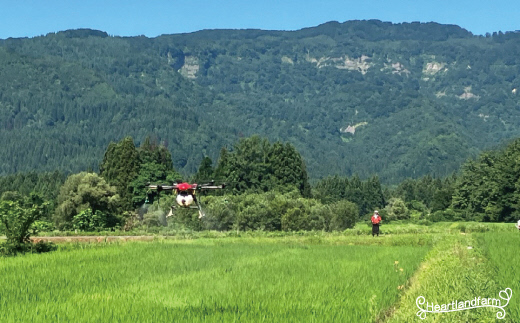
{"x":92,"y":239}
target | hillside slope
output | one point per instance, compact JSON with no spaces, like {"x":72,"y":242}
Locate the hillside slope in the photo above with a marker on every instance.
{"x":359,"y":97}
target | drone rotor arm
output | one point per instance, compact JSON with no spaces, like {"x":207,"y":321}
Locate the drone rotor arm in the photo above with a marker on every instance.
{"x":210,"y":187}
{"x":162,"y":187}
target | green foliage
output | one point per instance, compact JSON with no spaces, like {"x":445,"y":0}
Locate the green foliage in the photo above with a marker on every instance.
{"x":287,"y":169}
{"x":344,"y":216}
{"x":151,"y":152}
{"x":269,"y":211}
{"x":17,"y":217}
{"x":42,"y":226}
{"x":248,"y":165}
{"x":417,"y":206}
{"x":47,"y":185}
{"x":222,"y":170}
{"x":86,"y":220}
{"x":397,"y":210}
{"x":331,"y":188}
{"x":406,"y":83}
{"x":293,"y":278}
{"x":426,"y":194}
{"x":12,"y":196}
{"x":205,"y":171}
{"x":119,"y":167}
{"x":367,"y":195}
{"x":437,"y":216}
{"x":130,"y":169}
{"x":255,"y":165}
{"x":220,"y":214}
{"x":81,"y":192}
{"x":488,"y":188}
{"x":150,"y":173}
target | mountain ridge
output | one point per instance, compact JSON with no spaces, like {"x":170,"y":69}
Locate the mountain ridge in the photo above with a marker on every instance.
{"x":432,"y":95}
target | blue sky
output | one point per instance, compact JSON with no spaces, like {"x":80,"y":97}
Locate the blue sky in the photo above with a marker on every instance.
{"x":151,"y":18}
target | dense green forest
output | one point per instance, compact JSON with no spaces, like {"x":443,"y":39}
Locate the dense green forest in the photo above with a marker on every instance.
{"x":354,"y":98}
{"x":267,"y":188}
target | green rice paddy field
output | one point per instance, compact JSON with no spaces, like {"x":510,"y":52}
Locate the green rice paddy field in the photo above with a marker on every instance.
{"x":294,"y":278}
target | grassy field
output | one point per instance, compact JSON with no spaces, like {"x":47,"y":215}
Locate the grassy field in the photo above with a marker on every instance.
{"x":252,"y":279}
{"x":359,"y":229}
{"x":504,"y":259}
{"x":267,"y":277}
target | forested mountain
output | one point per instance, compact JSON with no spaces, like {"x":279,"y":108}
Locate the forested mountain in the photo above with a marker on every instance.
{"x":360,"y":97}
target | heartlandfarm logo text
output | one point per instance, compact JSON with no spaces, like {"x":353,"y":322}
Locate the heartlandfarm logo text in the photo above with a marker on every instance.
{"x":457,"y":305}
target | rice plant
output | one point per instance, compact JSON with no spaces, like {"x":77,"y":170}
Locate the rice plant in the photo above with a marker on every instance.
{"x":235,"y":279}
{"x":504,"y":259}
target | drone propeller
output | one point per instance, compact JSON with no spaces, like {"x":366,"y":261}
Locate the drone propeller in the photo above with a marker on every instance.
{"x":156,"y":189}
{"x":162,"y":187}
{"x":210,"y":185}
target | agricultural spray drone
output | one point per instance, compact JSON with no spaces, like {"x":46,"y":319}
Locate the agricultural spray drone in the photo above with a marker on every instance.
{"x":186,"y":194}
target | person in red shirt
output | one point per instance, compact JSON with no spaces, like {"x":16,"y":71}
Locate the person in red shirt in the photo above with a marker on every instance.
{"x":376,"y":219}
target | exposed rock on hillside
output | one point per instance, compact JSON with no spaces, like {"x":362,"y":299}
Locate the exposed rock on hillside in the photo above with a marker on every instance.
{"x":190,"y":67}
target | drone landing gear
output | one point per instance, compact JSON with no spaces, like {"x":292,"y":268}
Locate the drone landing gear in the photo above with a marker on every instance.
{"x":201,"y":213}
{"x":198,"y":207}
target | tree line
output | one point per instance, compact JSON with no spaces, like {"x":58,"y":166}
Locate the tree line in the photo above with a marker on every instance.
{"x":268,"y":189}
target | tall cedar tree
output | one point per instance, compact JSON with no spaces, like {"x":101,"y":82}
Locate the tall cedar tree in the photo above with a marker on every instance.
{"x":120,"y":167}
{"x":256,"y":165}
{"x":151,"y":152}
{"x":222,"y":169}
{"x":155,"y":166}
{"x":205,"y":171}
{"x":287,"y":168}
{"x":129,"y":169}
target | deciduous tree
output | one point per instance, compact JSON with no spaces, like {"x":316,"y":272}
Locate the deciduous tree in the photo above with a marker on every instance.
{"x":84,"y":191}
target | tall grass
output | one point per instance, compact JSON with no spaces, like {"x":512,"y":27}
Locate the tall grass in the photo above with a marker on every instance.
{"x":453,"y":270}
{"x":361,"y":228}
{"x":503,"y":254}
{"x":247,"y":279}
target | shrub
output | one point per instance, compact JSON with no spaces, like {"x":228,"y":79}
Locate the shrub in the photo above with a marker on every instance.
{"x":293,"y":219}
{"x":437,"y":216}
{"x":88,"y":221}
{"x":17,"y":218}
{"x":424,"y":222}
{"x":268,"y":212}
{"x":319,"y":218}
{"x":39,"y":226}
{"x":450,"y":215}
{"x":344,"y":215}
{"x":397,"y":210}
{"x":219,"y":213}
{"x":81,"y":192}
{"x":417,"y":206}
{"x":43,"y":246}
